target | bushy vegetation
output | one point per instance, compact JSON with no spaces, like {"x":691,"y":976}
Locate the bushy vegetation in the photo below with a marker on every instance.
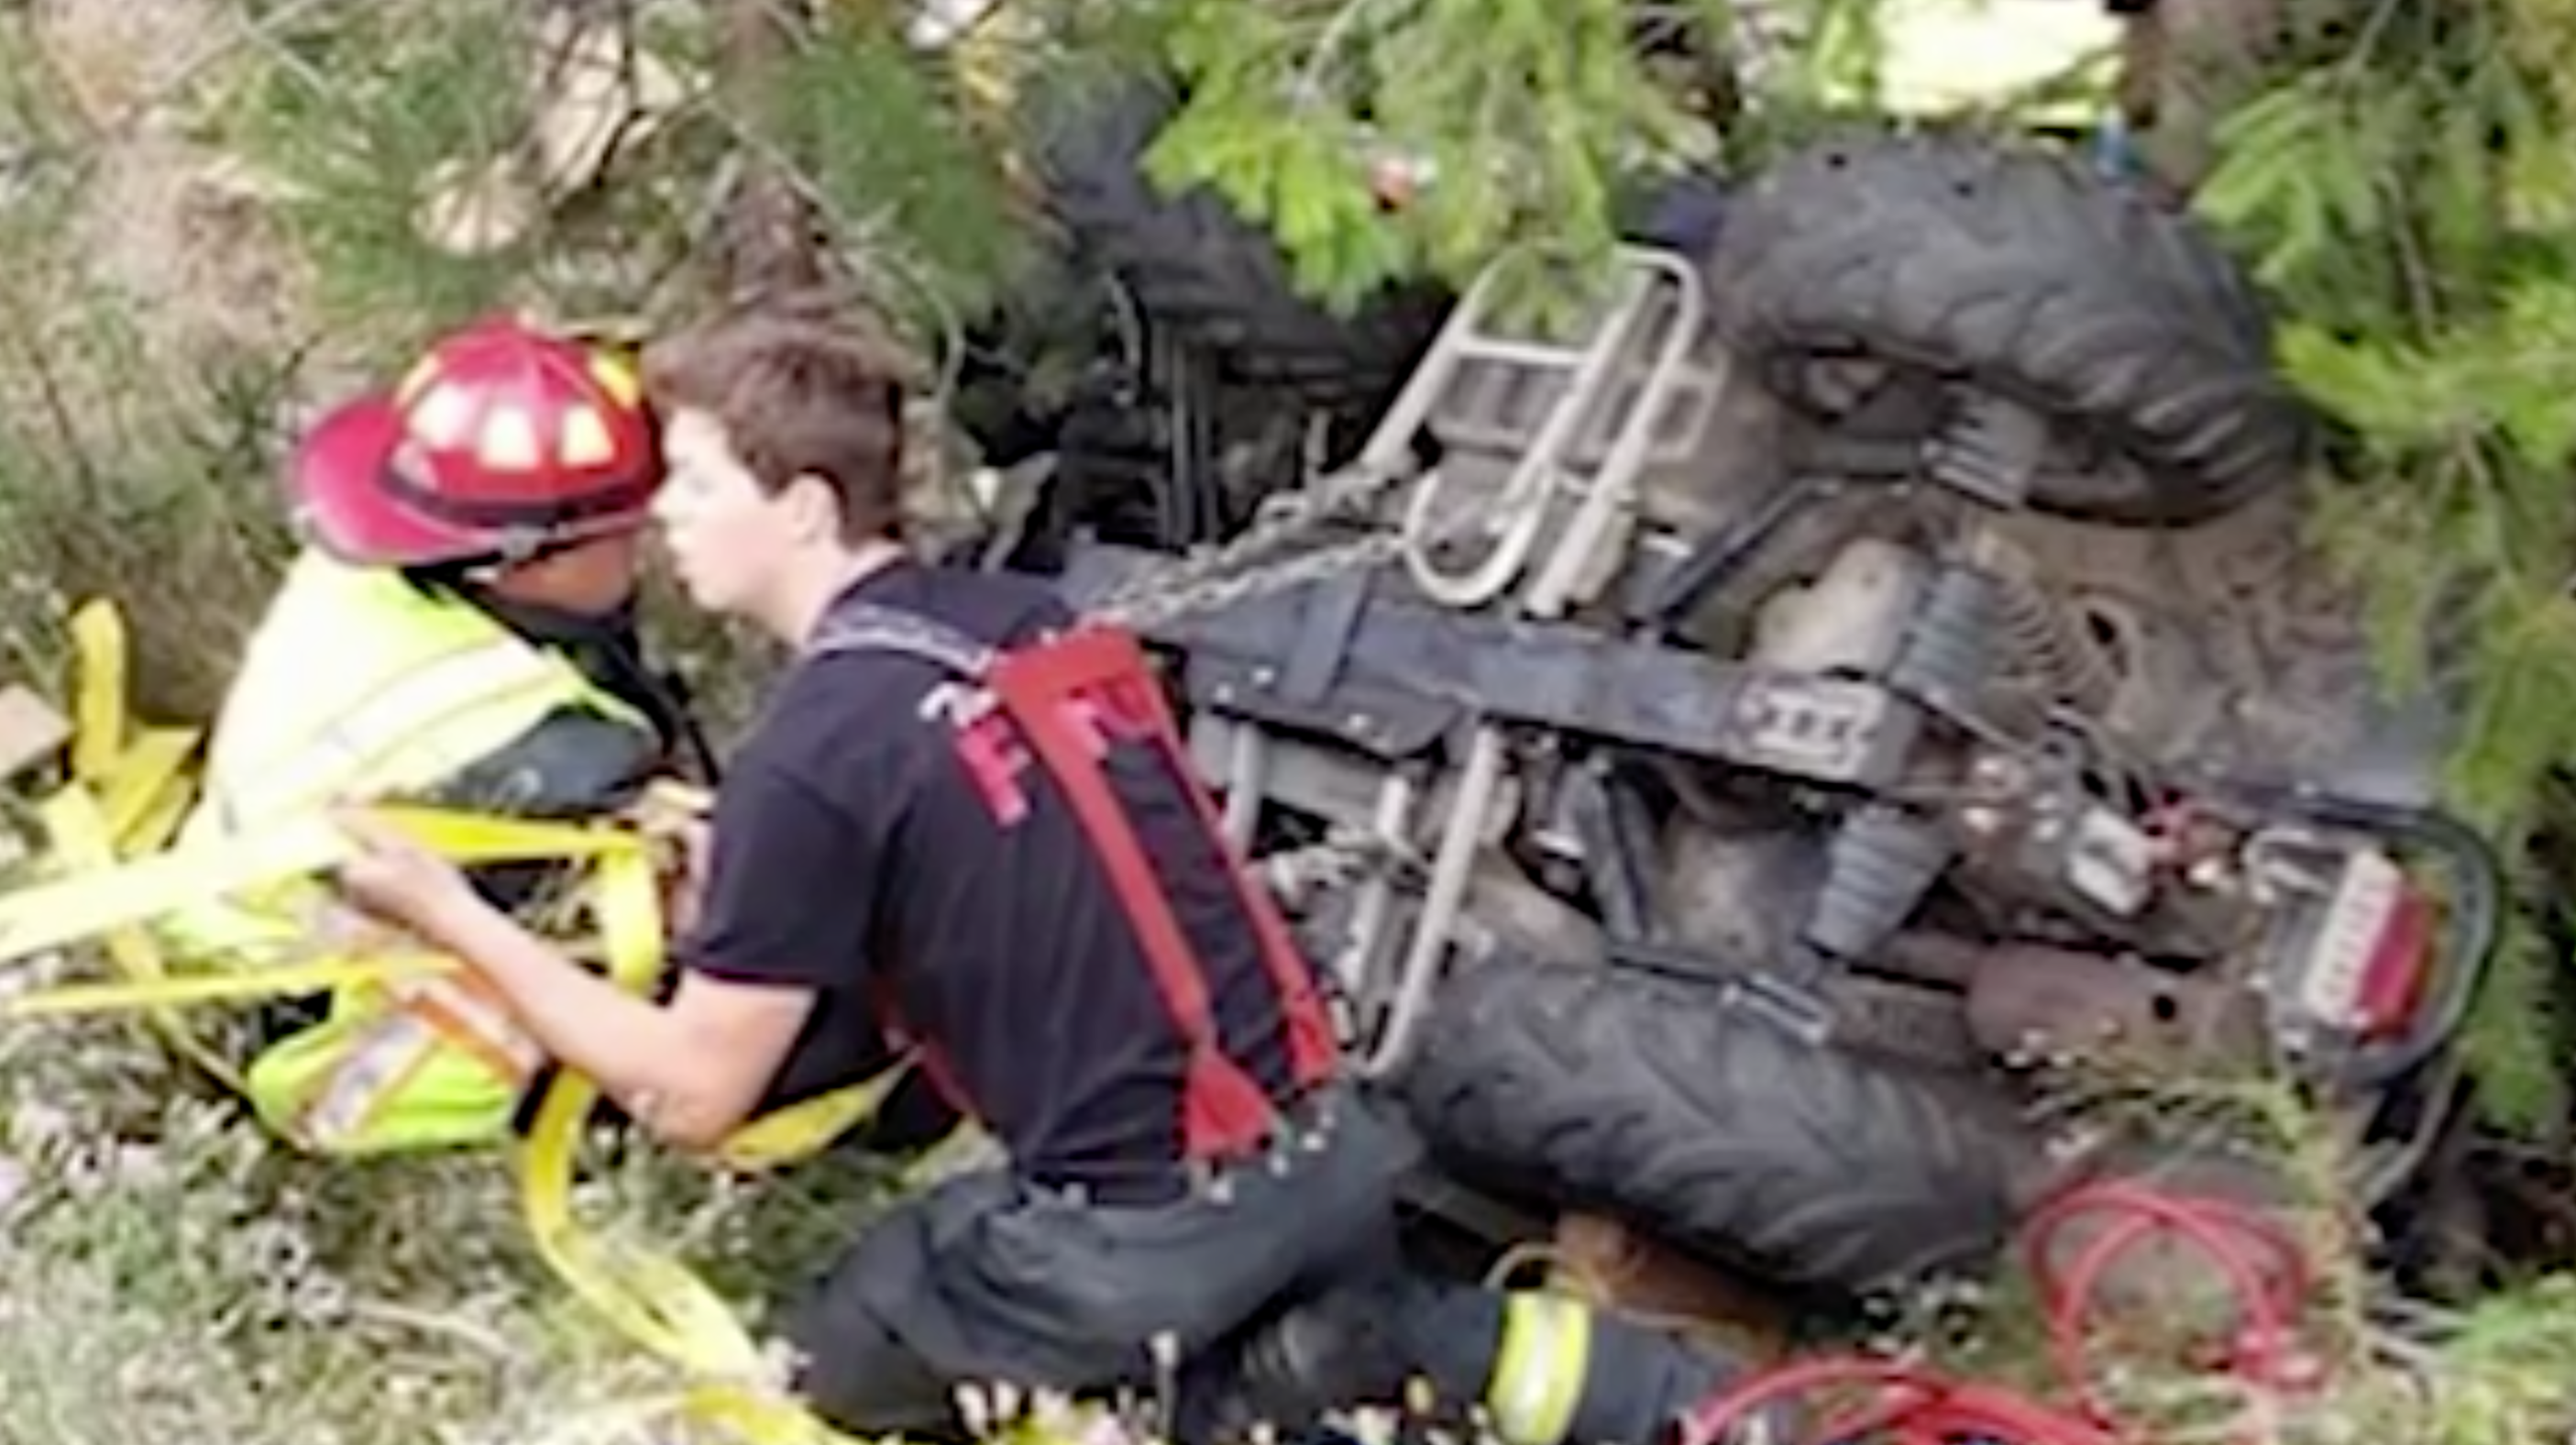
{"x":2402,"y":188}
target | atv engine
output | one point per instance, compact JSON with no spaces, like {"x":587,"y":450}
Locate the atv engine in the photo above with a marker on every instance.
{"x":2093,"y":900}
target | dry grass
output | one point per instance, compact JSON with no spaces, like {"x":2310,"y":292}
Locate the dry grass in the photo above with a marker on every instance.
{"x":152,"y":344}
{"x":165,"y":1275}
{"x":118,"y":61}
{"x":165,"y":220}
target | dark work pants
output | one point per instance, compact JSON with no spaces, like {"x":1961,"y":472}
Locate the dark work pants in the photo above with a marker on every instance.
{"x":988,"y":1278}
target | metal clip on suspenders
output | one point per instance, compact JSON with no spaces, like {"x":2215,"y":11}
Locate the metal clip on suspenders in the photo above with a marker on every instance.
{"x":1070,"y":696}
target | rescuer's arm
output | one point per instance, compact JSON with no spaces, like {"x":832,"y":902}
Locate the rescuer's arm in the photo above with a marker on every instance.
{"x":690,"y":1071}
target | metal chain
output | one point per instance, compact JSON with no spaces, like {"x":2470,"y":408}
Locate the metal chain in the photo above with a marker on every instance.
{"x":1244,"y":568}
{"x":1170,"y":600}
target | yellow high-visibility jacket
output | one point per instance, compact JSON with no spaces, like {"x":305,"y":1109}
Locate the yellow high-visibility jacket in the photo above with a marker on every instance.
{"x":363,"y":684}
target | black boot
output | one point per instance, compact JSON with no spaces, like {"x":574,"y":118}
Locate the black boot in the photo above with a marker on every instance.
{"x":1534,"y":1368}
{"x":1554,"y":1370}
{"x":1296,"y":1367}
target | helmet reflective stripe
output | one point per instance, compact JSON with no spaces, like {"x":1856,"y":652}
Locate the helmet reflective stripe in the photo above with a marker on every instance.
{"x":586,"y":441}
{"x":442,"y":414}
{"x":508,"y":440}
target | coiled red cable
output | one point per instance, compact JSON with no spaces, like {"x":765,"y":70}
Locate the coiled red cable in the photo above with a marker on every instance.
{"x":2265,"y":1271}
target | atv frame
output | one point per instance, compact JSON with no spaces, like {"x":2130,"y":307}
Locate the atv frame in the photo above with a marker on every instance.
{"x":1818,"y":706}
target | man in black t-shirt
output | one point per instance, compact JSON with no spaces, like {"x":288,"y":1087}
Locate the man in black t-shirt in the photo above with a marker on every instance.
{"x":962,"y":826}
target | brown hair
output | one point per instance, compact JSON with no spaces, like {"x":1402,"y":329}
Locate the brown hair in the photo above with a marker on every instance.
{"x":797,"y":396}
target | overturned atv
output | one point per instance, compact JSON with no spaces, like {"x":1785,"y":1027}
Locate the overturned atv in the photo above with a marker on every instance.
{"x":1869,"y":669}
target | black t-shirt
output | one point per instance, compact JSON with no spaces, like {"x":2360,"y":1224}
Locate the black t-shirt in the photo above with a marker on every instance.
{"x":855,"y":850}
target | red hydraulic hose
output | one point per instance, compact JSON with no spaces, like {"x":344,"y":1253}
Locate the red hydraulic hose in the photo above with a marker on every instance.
{"x":1914,"y":1406}
{"x":2264,"y":1268}
{"x":2235,"y":1239}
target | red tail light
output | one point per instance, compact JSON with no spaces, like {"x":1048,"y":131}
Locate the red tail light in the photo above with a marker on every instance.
{"x":2364,"y":971}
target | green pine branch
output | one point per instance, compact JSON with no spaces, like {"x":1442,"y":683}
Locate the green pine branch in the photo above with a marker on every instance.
{"x":2400,"y":186}
{"x":1521,"y":118}
{"x":356,"y":114}
{"x":887,"y":147}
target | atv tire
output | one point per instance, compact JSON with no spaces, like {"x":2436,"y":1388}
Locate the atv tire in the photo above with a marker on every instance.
{"x":1204,"y":274}
{"x":1646,"y":1099}
{"x":2025,"y":275}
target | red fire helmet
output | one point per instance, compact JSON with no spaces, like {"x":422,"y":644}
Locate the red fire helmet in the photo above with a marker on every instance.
{"x":502,"y":440}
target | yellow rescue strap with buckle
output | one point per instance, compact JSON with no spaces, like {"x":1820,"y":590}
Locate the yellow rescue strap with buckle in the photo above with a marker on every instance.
{"x":107,"y":829}
{"x":108,"y":826}
{"x":169,"y":992}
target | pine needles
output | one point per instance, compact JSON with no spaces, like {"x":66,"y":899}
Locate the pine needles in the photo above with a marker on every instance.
{"x":2395,"y":186}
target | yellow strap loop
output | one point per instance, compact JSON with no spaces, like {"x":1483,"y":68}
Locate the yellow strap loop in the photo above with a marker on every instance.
{"x":803,"y":1129}
{"x":652,"y":1298}
{"x":98,"y":694}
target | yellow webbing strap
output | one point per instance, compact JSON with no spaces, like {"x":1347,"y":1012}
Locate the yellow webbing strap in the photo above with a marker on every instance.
{"x":107,"y":895}
{"x":142,"y":784}
{"x":80,"y":838}
{"x":98,"y":694}
{"x":113,"y":899}
{"x":121,"y":800}
{"x":107,"y":826}
{"x":802,"y":1130}
{"x":285,"y":979}
{"x":651,"y":1298}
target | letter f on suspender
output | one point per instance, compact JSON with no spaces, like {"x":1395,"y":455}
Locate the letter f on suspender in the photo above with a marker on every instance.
{"x":1067,"y":696}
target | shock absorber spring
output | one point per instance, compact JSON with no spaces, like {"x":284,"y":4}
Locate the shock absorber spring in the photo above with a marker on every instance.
{"x":2043,"y":640}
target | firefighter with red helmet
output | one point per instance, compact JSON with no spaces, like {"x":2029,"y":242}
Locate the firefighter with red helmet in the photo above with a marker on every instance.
{"x":503,"y":445}
{"x":460,"y":629}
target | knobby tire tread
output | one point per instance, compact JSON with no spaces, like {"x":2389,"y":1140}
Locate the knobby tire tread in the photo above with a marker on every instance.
{"x":1649,"y":1100}
{"x":2021,"y":272}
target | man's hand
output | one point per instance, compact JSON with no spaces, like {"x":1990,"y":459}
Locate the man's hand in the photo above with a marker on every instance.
{"x":396,"y":880}
{"x":675,"y":816}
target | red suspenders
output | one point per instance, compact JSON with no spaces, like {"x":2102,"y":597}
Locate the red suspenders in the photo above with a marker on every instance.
{"x":1068,"y":697}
